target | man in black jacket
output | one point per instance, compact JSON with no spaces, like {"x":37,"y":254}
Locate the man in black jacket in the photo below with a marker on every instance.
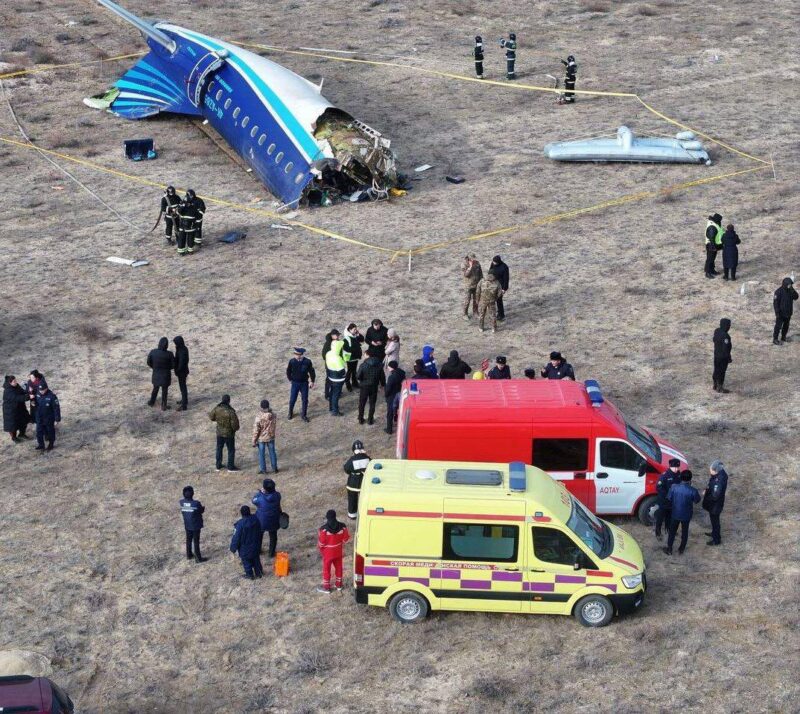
{"x":501,"y":370}
{"x":722,"y":354}
{"x":714,"y":499}
{"x":783,"y":304}
{"x":668,"y":479}
{"x":182,"y":370}
{"x":354,"y":467}
{"x":500,"y":271}
{"x":454,"y":368}
{"x":558,"y":368}
{"x":246,"y":542}
{"x":192,"y":512}
{"x":370,"y":378}
{"x":162,"y":362}
{"x":301,"y":375}
{"x":394,"y":385}
{"x":353,"y":340}
{"x":376,"y":338}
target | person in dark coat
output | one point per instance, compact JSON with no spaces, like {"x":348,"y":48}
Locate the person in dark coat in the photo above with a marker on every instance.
{"x":192,"y":512}
{"x":558,"y":368}
{"x":376,"y":339}
{"x":667,"y":480}
{"x":370,"y":378}
{"x":714,"y":499}
{"x":501,"y":370}
{"x":268,"y":511}
{"x":394,"y":385}
{"x":682,"y":496}
{"x":246,"y":541}
{"x":730,"y":253}
{"x":301,"y":375}
{"x":48,"y":414}
{"x":455,"y":367}
{"x":713,"y":239}
{"x":182,"y":370}
{"x":162,"y":362}
{"x":420,"y":372}
{"x":35,"y":378}
{"x":500,"y":271}
{"x":722,"y":354}
{"x":783,"y":304}
{"x":354,"y":467}
{"x":15,"y":415}
{"x":530,"y":373}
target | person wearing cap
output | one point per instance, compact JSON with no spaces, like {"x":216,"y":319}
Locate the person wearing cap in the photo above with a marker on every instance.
{"x":558,"y":368}
{"x":500,"y":270}
{"x":268,"y":511}
{"x":331,"y":537}
{"x":301,"y":375}
{"x":370,"y":379}
{"x":48,"y":414}
{"x":472,"y":275}
{"x":714,"y":499}
{"x":783,"y":304}
{"x":682,"y":497}
{"x":530,"y":373}
{"x":392,"y":390}
{"x":722,"y":354}
{"x":666,"y":481}
{"x":246,"y":542}
{"x":713,"y":236}
{"x":354,"y":467}
{"x":501,"y":370}
{"x":227,"y":421}
{"x":264,"y":437}
{"x":192,"y":512}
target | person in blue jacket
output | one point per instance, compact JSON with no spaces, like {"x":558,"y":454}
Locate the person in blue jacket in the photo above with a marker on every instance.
{"x":246,"y":541}
{"x":714,"y":499}
{"x":667,"y":480}
{"x":192,"y":512}
{"x":48,"y":414}
{"x":430,"y":361}
{"x":682,"y":496}
{"x":268,"y":510}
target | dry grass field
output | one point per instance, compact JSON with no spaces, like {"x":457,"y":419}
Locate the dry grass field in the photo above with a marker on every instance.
{"x":92,"y":572}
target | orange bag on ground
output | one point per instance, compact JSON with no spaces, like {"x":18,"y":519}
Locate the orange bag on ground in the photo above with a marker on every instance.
{"x":281,"y":565}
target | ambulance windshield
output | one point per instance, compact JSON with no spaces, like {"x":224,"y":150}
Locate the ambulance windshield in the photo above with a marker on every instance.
{"x":590,"y":529}
{"x":643,"y":441}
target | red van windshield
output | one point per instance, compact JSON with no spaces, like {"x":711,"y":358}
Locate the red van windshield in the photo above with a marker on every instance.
{"x":644,"y":441}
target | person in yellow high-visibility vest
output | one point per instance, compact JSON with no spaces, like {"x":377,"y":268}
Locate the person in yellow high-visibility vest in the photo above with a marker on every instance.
{"x":714,"y":231}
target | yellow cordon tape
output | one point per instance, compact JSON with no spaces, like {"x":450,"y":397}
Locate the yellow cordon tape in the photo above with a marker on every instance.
{"x":69,"y":65}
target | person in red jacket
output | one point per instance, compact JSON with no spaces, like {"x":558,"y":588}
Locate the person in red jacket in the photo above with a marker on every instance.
{"x":331,"y":539}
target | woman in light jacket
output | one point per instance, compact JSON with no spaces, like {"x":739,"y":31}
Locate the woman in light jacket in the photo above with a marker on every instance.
{"x":392,"y":349}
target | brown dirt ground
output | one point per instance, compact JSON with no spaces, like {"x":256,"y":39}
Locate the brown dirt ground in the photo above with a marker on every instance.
{"x":92,"y":569}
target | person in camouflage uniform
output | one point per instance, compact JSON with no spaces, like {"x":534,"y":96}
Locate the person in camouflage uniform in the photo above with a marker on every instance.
{"x":487,"y":293}
{"x":472,"y":272}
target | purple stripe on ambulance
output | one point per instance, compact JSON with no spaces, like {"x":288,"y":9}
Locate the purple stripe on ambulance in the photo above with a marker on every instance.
{"x":511,"y":577}
{"x":447,"y":574}
{"x":375,"y":570}
{"x":421,"y":581}
{"x":570,"y":578}
{"x":477,"y":584}
{"x":611,"y":587}
{"x":539,"y":587}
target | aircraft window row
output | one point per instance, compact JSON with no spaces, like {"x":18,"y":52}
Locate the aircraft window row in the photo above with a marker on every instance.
{"x":245,"y":122}
{"x":237,"y":112}
{"x":227,"y":102}
{"x":279,"y":157}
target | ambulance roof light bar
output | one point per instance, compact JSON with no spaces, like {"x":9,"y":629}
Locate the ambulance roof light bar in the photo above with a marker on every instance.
{"x":593,"y":390}
{"x":517,"y":480}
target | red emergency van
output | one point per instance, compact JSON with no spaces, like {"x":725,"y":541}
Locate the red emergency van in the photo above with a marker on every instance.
{"x":565,"y":428}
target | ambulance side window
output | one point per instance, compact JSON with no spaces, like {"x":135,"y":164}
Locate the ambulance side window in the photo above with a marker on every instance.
{"x":551,"y":545}
{"x":484,"y":542}
{"x":619,"y":455}
{"x":561,"y":454}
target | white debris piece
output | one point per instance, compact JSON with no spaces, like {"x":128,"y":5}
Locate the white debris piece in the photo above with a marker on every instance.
{"x":135,"y":263}
{"x":422,"y":168}
{"x":282,"y":227}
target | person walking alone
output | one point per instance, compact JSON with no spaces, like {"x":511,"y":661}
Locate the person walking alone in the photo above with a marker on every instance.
{"x":714,"y":499}
{"x":192,"y":512}
{"x":162,"y":362}
{"x":246,"y":542}
{"x":264,"y":437}
{"x":268,"y":511}
{"x":227,"y":422}
{"x":331,"y":537}
{"x":182,"y":370}
{"x":783,"y":304}
{"x":682,"y":496}
{"x":722,"y":354}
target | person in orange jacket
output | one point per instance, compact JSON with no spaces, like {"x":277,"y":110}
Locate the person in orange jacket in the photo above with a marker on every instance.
{"x":332,"y":536}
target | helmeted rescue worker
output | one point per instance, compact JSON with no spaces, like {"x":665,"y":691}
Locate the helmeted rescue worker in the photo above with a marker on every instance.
{"x":48,"y":414}
{"x":192,"y":512}
{"x":510,"y":46}
{"x":200,"y":209}
{"x":569,"y":79}
{"x":187,"y":215}
{"x":331,"y":538}
{"x":714,"y":233}
{"x":714,"y":499}
{"x":722,"y":354}
{"x":682,"y":496}
{"x":783,"y":304}
{"x":668,"y":479}
{"x":246,"y":541}
{"x":354,"y":467}
{"x":477,"y":53}
{"x":169,"y":203}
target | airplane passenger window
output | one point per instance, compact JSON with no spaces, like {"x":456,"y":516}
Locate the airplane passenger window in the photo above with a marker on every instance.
{"x":288,"y":167}
{"x":298,"y":178}
{"x":254,"y":131}
{"x":262,"y":139}
{"x":278,"y":157}
{"x":236,"y":112}
{"x":245,"y":122}
{"x":219,"y":94}
{"x":270,"y":149}
{"x":227,"y":102}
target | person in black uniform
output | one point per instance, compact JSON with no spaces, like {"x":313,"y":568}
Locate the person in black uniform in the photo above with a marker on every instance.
{"x":722,"y":354}
{"x":394,"y":385}
{"x":301,"y":375}
{"x":783,"y":304}
{"x":354,"y":467}
{"x":669,"y":478}
{"x":187,"y":215}
{"x":569,"y":79}
{"x":200,"y":211}
{"x":162,"y":362}
{"x":500,"y":271}
{"x":182,"y":370}
{"x":192,"y":512}
{"x":510,"y":46}
{"x":246,"y":542}
{"x":169,"y":203}
{"x":558,"y":368}
{"x":714,"y":499}
{"x":477,"y":53}
{"x":48,"y":414}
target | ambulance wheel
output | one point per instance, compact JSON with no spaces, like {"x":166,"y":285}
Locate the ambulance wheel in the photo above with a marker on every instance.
{"x":408,"y":606}
{"x":594,"y":611}
{"x":647,"y":510}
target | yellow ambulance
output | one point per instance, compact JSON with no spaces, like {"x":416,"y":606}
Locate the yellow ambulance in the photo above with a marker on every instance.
{"x":437,"y":535}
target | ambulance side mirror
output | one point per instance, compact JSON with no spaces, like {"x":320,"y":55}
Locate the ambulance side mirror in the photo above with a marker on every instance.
{"x":642,"y":470}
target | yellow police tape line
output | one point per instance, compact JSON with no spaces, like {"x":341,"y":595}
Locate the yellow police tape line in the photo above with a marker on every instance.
{"x":219,"y":201}
{"x":47,"y":68}
{"x":544,"y":220}
{"x":507,"y":85}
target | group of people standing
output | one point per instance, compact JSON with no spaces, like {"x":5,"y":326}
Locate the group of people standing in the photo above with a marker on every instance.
{"x":31,"y":402}
{"x":184,"y":217}
{"x":484,"y":293}
{"x":163,"y":364}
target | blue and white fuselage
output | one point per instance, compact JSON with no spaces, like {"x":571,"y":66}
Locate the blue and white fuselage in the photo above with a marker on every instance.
{"x":267,"y":113}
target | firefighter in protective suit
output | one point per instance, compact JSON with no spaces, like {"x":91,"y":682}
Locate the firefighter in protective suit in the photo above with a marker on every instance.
{"x":187,"y":217}
{"x":169,"y":203}
{"x":477,"y":53}
{"x":510,"y":46}
{"x":570,"y":78}
{"x":200,"y":209}
{"x":354,"y":467}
